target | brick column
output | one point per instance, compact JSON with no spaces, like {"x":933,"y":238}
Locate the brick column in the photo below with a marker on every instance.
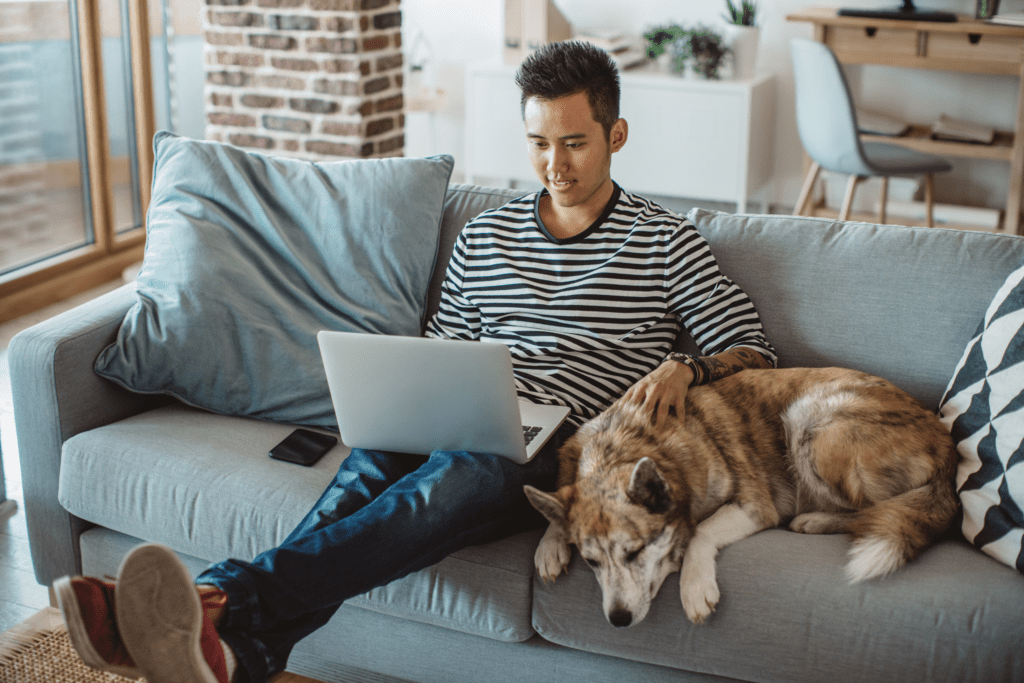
{"x":314,"y":79}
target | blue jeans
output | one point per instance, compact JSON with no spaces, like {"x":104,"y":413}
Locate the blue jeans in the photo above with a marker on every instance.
{"x":385,"y":515}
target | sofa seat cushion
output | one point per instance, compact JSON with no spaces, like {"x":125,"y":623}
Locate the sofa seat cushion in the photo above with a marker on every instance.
{"x":204,"y":485}
{"x":787,"y":613}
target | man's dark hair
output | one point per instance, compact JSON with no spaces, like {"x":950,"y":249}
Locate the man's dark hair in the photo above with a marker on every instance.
{"x":570,"y":67}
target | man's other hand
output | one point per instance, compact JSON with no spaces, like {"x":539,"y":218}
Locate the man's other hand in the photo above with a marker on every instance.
{"x":663,"y":389}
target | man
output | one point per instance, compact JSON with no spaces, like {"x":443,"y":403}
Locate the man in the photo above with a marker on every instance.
{"x":586,"y":284}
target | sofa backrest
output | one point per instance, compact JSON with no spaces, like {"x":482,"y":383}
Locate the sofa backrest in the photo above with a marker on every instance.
{"x":897,"y":302}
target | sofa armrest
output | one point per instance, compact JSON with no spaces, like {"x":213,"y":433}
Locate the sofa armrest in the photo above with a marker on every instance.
{"x":57,"y":395}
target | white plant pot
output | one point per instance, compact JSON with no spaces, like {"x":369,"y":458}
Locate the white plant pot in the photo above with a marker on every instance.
{"x":744,"y":43}
{"x":663,"y":62}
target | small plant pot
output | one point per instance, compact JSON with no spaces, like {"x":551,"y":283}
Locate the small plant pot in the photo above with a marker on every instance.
{"x":743,"y":42}
{"x":708,"y":65}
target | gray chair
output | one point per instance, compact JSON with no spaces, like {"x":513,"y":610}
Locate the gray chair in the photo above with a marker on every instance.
{"x":827,"y":122}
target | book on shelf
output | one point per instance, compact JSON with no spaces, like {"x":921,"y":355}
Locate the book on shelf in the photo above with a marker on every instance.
{"x":1009,"y":19}
{"x":876,"y":123}
{"x":948,"y":128}
{"x":629,"y":58}
{"x":609,"y":40}
{"x":626,"y":50}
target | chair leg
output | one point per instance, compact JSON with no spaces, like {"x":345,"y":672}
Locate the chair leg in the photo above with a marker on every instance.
{"x":851,"y":188}
{"x":807,"y":189}
{"x":883,"y":199}
{"x":929,"y":200}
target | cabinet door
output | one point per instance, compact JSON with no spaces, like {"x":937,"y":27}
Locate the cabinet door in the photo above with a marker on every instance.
{"x":688,"y":140}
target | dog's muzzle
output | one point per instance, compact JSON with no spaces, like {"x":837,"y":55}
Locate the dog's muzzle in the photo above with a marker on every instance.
{"x":620,"y":617}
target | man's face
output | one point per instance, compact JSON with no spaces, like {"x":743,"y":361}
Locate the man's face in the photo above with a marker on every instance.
{"x":569,"y":150}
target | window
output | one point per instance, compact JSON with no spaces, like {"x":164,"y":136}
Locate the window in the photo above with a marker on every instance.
{"x":77,"y":118}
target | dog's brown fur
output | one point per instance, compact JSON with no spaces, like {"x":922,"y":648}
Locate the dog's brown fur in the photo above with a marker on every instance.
{"x":822,"y":450}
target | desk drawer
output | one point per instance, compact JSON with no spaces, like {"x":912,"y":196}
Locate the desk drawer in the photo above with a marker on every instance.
{"x":1001,"y":54}
{"x":856,"y":44}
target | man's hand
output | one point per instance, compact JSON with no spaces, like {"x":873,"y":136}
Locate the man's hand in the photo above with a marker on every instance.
{"x":663,"y":389}
{"x":666,"y":386}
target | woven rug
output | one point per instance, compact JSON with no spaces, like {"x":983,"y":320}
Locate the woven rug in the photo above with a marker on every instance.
{"x":38,"y":651}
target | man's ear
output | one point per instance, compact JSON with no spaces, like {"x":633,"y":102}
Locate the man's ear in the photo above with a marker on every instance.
{"x":620,"y":131}
{"x":552,"y":505}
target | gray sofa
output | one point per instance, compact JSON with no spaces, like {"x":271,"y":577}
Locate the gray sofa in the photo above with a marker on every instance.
{"x":104,"y":469}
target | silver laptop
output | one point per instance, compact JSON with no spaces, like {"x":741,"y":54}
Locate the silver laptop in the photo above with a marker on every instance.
{"x":418,"y":395}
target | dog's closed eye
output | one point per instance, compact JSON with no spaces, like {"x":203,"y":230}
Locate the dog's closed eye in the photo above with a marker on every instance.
{"x":592,"y":562}
{"x":631,"y":557}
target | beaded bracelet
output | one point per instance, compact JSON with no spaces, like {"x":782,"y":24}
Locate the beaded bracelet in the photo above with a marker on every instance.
{"x":700,"y":370}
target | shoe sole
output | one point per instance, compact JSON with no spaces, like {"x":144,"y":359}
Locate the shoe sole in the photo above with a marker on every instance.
{"x":160,"y":617}
{"x":78,"y":634}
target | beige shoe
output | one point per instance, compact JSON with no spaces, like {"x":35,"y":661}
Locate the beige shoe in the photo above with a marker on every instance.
{"x":163,"y":624}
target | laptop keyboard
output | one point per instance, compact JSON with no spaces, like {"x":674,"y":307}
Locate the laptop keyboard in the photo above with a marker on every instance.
{"x":530,"y":432}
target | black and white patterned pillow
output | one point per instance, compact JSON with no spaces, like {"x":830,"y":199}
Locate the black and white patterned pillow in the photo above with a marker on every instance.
{"x":983,"y":407}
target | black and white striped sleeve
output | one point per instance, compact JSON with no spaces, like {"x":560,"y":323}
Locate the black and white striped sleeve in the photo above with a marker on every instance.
{"x":714,"y":310}
{"x":457,"y":317}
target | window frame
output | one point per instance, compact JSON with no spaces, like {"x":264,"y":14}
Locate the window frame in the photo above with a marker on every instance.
{"x":50,"y":280}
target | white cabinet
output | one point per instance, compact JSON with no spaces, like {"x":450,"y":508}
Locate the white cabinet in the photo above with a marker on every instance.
{"x":688,"y":137}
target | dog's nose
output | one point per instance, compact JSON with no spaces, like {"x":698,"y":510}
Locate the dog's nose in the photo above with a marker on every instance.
{"x":620,"y":617}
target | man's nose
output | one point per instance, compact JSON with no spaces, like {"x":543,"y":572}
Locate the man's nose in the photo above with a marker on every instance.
{"x":558,"y":161}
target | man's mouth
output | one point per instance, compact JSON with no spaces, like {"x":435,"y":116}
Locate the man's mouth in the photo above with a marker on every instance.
{"x":561,"y":185}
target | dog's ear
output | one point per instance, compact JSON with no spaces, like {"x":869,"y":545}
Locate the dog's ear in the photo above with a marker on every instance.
{"x":569,"y":460}
{"x":551,"y":505}
{"x":647,"y":487}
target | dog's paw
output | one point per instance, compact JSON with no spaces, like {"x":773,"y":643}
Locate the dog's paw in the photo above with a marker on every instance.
{"x":699,"y":595}
{"x":819,"y":523}
{"x":552,"y":556}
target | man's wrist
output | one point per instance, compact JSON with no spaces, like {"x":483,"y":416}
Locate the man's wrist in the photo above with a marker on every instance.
{"x":700,"y":370}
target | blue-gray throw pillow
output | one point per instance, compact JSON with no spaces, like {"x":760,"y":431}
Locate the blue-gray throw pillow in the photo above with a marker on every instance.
{"x":248,"y":256}
{"x":984,"y":410}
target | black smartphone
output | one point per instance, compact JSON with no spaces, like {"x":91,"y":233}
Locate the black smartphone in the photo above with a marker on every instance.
{"x":303,"y":447}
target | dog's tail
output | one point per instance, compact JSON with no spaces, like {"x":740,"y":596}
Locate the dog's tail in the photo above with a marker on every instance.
{"x":893,"y":532}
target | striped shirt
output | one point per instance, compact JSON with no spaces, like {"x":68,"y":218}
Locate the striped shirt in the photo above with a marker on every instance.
{"x":587,"y":317}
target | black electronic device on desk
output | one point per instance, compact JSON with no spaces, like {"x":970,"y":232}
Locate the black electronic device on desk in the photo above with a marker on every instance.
{"x":907,"y":12}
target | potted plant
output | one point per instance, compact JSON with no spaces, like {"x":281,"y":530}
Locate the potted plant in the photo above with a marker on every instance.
{"x":660,"y":40}
{"x":706,"y":48}
{"x":742,"y":15}
{"x":703,"y":46}
{"x":744,"y":36}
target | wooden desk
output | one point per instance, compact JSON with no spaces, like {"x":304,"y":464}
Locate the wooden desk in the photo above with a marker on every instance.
{"x":968,"y":45}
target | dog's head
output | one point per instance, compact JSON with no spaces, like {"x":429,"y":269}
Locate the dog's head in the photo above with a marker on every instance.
{"x":624,"y":517}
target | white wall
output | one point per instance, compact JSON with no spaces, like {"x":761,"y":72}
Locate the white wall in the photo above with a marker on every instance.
{"x":462,"y":31}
